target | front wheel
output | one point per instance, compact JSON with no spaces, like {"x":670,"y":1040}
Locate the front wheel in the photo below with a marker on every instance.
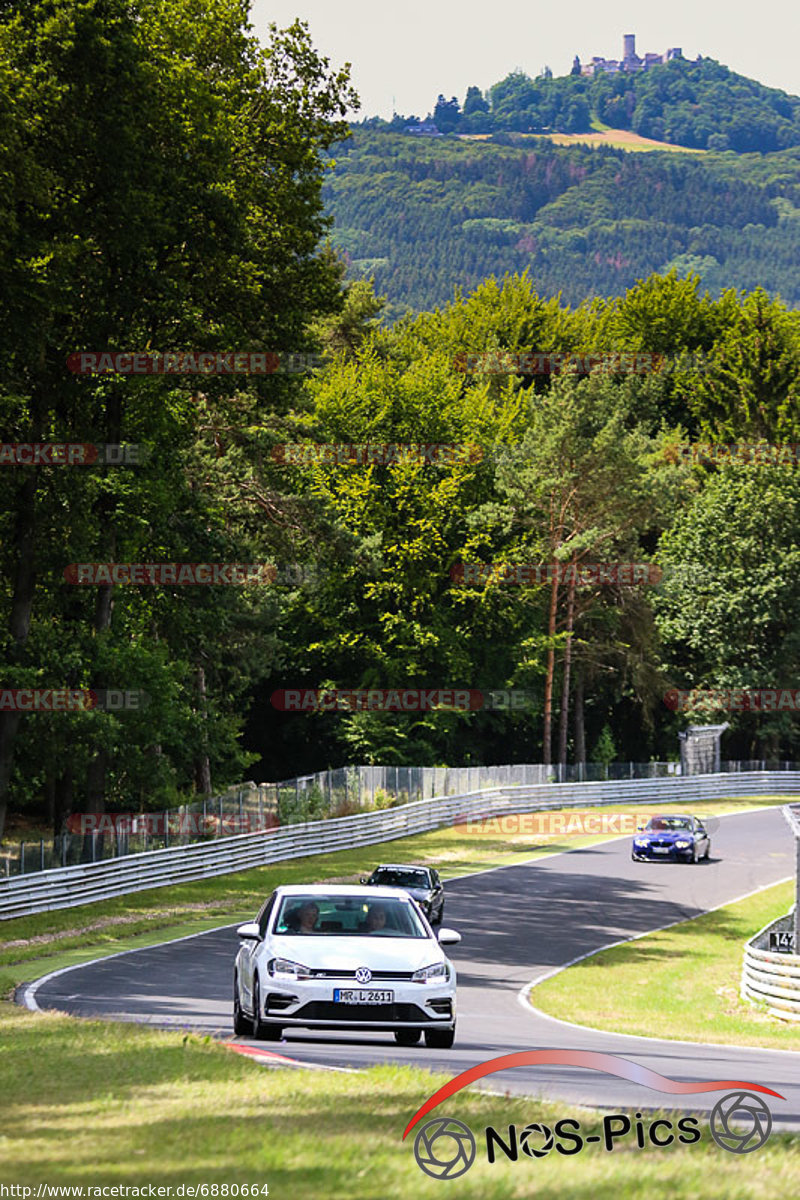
{"x":407,"y":1037}
{"x":708,"y":851}
{"x":440,"y":1039}
{"x":694,"y":855}
{"x":241,"y":1025}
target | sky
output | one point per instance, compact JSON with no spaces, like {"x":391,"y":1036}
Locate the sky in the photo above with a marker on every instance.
{"x":404,"y":54}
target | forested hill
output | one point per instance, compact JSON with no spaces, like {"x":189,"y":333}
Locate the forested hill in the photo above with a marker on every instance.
{"x":700,"y":104}
{"x":426,"y":215}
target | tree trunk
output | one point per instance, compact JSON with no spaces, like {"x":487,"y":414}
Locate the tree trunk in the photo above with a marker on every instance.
{"x":19,"y":623}
{"x":564,"y":722}
{"x":64,"y":793}
{"x":580,"y":725}
{"x":98,"y":767}
{"x":551,"y":667}
{"x":203,"y":770}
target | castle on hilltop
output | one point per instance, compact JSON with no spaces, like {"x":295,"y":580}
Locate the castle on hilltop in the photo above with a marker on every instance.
{"x":630,"y":60}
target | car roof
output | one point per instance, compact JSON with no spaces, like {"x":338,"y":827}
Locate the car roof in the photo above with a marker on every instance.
{"x":400,"y":867}
{"x":338,"y":889}
{"x":672,"y":816}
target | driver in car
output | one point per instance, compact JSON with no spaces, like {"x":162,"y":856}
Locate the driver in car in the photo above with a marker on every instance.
{"x":376,"y":918}
{"x":307,"y":917}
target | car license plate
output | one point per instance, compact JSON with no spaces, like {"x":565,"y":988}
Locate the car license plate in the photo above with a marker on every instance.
{"x":362,"y":996}
{"x":660,"y":849}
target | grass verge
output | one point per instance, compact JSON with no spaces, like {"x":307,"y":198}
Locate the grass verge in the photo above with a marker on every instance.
{"x":98,"y":1104}
{"x":682,"y":982}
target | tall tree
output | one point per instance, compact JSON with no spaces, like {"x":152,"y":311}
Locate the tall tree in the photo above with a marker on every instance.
{"x":164,"y":176}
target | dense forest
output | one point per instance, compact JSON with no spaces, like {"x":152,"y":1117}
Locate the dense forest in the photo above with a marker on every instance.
{"x":576,"y":468}
{"x":423,"y":217}
{"x":154,"y":227}
{"x":699,"y":104}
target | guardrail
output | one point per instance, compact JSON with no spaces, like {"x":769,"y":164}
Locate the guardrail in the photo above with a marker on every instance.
{"x":772,"y":977}
{"x":70,"y":886}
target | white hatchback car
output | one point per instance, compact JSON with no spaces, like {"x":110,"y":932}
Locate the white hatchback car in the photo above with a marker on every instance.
{"x":344,"y":958}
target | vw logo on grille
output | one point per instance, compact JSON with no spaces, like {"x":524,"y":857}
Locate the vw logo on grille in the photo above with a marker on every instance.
{"x":363,"y":974}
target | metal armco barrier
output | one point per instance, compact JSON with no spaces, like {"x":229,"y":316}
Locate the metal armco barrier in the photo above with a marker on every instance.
{"x":71,"y":886}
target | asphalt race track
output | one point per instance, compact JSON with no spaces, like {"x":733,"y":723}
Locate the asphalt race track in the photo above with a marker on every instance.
{"x":517,"y":923}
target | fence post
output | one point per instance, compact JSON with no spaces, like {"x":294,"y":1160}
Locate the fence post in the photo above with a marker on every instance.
{"x":22,"y":858}
{"x":63,"y":849}
{"x":41,"y":854}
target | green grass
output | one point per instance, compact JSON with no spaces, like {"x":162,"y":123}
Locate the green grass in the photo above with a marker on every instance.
{"x":682,"y":982}
{"x":99,"y":1104}
{"x":32,"y":946}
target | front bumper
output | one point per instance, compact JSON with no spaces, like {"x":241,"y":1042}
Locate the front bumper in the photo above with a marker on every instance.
{"x":663,"y":853}
{"x":310,"y":1003}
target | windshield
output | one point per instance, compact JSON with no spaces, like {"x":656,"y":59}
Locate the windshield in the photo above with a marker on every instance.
{"x":347,"y":916}
{"x":394,"y":877}
{"x":665,"y":823}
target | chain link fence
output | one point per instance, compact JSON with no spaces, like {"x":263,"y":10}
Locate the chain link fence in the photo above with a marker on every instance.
{"x":254,"y":808}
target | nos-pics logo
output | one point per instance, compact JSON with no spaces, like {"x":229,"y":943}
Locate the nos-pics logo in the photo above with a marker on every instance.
{"x":740,"y":1122}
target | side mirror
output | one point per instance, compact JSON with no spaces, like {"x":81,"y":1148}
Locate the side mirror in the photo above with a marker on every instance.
{"x":249,"y":932}
{"x":448,"y":937}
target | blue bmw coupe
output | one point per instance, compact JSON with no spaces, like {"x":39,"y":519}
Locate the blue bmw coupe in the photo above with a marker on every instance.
{"x":671,"y":839}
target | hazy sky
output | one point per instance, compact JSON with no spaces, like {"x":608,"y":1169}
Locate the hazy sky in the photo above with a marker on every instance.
{"x":412,"y":50}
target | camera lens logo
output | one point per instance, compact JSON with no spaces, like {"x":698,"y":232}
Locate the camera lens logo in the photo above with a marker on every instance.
{"x":529,"y":1137}
{"x":444,"y":1148}
{"x":737,"y":1109}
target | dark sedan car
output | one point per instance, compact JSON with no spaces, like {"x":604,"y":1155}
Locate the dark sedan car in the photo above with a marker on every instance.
{"x":671,"y":838}
{"x":423,"y":883}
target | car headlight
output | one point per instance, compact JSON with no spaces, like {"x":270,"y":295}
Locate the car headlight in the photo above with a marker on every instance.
{"x":284,"y":968}
{"x":683,"y":844}
{"x":432,"y":974}
{"x":640,"y":841}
